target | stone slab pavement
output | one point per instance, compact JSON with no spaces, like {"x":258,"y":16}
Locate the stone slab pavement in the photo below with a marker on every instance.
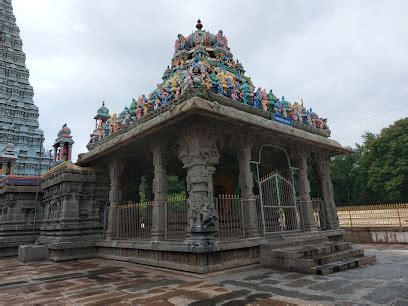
{"x":107,"y":282}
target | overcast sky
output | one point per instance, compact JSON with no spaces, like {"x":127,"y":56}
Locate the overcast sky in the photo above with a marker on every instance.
{"x":348,"y":60}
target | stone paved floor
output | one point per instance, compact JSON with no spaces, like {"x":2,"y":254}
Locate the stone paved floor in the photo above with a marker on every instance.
{"x":103,"y":282}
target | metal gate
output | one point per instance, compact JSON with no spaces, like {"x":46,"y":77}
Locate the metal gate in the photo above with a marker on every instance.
{"x":278,"y":204}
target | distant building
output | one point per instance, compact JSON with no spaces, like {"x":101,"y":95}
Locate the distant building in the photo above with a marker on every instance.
{"x":19,"y":126}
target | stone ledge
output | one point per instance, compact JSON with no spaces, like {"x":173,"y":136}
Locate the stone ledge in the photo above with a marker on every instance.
{"x":387,"y":235}
{"x":206,"y":108}
{"x":181,"y":246}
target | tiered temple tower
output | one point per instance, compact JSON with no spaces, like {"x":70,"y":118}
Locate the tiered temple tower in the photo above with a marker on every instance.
{"x":18,"y":114}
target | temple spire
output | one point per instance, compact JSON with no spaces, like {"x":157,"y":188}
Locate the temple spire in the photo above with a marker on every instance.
{"x":19,"y":126}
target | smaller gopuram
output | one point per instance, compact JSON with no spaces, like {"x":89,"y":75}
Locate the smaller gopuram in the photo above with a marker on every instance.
{"x":101,"y":124}
{"x":63,"y":145}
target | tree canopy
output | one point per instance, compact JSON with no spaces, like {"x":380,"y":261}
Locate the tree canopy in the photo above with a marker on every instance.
{"x":378,"y":169}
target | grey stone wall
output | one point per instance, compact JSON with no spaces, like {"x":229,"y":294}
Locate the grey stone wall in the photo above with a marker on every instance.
{"x":17,"y":205}
{"x":75,"y":200}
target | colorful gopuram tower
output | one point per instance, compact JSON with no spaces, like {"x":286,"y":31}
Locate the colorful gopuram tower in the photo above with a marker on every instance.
{"x":18,"y":114}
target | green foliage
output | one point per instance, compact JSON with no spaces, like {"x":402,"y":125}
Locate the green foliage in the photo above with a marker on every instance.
{"x":176,"y":185}
{"x":388,"y":172}
{"x":377,"y":171}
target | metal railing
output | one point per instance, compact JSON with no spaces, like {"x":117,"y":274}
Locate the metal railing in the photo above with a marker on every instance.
{"x":375,"y":215}
{"x":279,"y":211}
{"x":175,"y":218}
{"x":134,"y":221}
{"x":230,"y":216}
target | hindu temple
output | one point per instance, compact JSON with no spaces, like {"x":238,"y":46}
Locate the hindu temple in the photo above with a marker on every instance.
{"x":204,"y":173}
{"x":18,"y":114}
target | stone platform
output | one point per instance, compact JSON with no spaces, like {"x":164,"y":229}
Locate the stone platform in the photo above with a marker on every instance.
{"x":320,"y":252}
{"x":101,"y":281}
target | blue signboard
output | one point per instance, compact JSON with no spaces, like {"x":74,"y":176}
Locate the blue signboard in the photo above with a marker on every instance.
{"x":282,"y":119}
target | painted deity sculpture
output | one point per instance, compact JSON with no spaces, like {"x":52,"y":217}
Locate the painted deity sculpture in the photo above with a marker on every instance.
{"x":265,"y":100}
{"x":257,"y":98}
{"x":245,"y":93}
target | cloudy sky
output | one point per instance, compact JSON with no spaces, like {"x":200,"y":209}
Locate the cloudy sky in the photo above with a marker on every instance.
{"x":348,"y":60}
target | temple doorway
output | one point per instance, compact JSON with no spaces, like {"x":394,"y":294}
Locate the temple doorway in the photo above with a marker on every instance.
{"x":276,"y":190}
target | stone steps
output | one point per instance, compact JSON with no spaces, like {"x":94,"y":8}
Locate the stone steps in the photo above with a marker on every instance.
{"x":310,"y":250}
{"x":320,"y":257}
{"x":329,"y":258}
{"x":342,"y":265}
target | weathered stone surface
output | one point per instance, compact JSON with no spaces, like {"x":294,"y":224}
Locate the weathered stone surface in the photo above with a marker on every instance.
{"x":17,"y":207}
{"x":386,"y":235}
{"x":326,"y":186}
{"x":32,"y":252}
{"x":116,"y":168}
{"x":299,"y":158}
{"x":243,"y":146}
{"x":160,"y":187}
{"x":102,"y":281}
{"x":75,"y":199}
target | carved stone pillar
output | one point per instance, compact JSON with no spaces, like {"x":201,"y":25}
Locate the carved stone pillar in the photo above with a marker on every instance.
{"x":330,"y":210}
{"x":199,"y":153}
{"x":115,"y":195}
{"x":160,"y":187}
{"x":299,"y":159}
{"x":243,"y":146}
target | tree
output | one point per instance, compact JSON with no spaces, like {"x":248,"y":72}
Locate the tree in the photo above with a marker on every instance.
{"x":343,"y":175}
{"x":388,"y":162}
{"x":377,"y":170}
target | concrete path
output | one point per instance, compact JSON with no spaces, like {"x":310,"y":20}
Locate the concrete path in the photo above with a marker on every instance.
{"x":105,"y":282}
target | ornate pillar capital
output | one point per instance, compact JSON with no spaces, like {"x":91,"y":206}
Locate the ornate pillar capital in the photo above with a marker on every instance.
{"x":299,"y":154}
{"x":323,"y":165}
{"x":198,"y":145}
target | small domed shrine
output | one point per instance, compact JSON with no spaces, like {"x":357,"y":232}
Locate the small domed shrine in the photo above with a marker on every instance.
{"x":63,"y":145}
{"x":206,"y":172}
